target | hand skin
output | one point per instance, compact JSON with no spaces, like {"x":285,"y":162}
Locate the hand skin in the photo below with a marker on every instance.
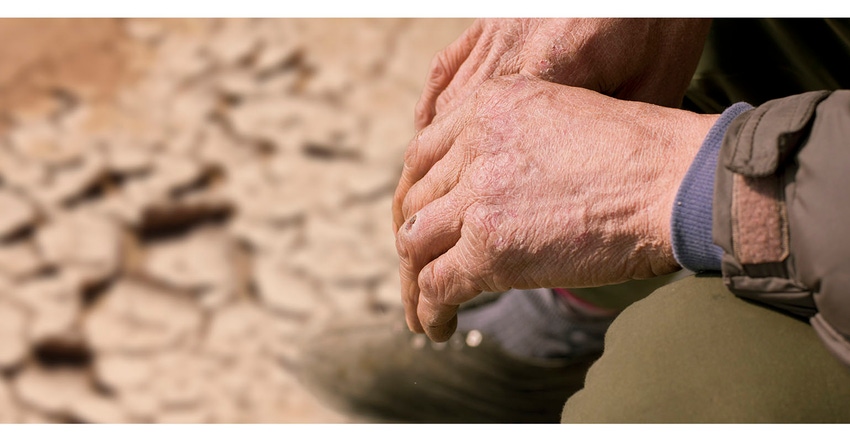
{"x":650,"y":60}
{"x":533,"y":184}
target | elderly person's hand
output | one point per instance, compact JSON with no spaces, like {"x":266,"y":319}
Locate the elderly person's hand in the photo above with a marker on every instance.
{"x":649,"y":60}
{"x":530,"y":184}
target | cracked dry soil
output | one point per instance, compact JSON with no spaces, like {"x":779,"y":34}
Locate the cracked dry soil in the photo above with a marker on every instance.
{"x":182,"y":200}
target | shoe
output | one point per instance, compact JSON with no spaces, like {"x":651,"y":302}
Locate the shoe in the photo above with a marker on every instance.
{"x":381,"y":371}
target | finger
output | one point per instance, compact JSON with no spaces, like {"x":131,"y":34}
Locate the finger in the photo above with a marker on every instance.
{"x":427,"y":147}
{"x":425,"y":236}
{"x":438,"y":182}
{"x":443,"y":68}
{"x":445,"y":283}
{"x":492,"y":57}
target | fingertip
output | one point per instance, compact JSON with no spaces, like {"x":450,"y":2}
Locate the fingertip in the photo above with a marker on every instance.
{"x":409,"y":299}
{"x":444,"y":66}
{"x":414,"y":326}
{"x":438,"y":320}
{"x":442,"y":333}
{"x":412,"y":318}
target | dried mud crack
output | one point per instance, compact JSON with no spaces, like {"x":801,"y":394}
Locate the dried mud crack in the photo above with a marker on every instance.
{"x":181,"y":200}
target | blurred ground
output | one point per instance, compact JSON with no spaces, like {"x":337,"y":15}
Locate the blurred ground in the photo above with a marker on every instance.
{"x":182,"y":200}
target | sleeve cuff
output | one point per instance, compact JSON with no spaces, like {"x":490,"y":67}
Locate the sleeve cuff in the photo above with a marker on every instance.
{"x":691,"y":221}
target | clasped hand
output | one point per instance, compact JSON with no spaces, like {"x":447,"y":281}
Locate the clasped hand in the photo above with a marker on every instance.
{"x":529,"y":183}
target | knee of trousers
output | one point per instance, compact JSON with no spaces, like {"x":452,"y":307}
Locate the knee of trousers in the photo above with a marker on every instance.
{"x":694,"y":352}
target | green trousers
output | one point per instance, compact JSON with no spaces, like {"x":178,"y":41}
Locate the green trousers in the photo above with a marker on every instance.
{"x":692,"y":351}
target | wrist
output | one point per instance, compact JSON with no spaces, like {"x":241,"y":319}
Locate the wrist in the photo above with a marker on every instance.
{"x":688,"y":132}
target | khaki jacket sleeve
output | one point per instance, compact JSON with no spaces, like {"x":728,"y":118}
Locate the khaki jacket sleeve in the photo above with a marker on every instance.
{"x":782,"y":210}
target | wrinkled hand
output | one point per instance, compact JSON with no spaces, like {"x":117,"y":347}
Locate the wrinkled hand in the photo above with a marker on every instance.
{"x":650,"y":60}
{"x":534,"y":184}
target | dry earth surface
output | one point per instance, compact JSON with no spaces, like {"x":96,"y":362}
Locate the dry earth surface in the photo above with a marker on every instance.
{"x":181,"y":201}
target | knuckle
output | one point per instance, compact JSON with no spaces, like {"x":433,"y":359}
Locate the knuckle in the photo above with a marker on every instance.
{"x":398,"y":197}
{"x":402,"y":246}
{"x":471,"y":135}
{"x":422,"y":112}
{"x":491,"y":181}
{"x":412,"y":150}
{"x":406,"y":243}
{"x":484,"y":225}
{"x":440,"y":69}
{"x":409,"y":205}
{"x":431,"y":282}
{"x":473,"y":141}
{"x":444,"y":101}
{"x":401,"y":189}
{"x":427,"y":279}
{"x":495,"y":84}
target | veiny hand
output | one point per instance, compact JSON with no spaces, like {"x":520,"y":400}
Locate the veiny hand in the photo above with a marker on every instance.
{"x":533,"y":184}
{"x":650,"y":60}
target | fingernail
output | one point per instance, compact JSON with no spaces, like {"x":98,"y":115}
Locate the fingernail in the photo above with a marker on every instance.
{"x":411,"y":221}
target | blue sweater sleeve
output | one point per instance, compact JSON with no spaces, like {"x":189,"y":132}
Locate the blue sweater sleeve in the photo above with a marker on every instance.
{"x":691,"y":220}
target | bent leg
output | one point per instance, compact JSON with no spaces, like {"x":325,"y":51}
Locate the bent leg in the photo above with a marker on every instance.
{"x":694,"y":352}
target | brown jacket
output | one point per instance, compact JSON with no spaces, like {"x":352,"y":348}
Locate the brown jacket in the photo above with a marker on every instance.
{"x":782,"y":210}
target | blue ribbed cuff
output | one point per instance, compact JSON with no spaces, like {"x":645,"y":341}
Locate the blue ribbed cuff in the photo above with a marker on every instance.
{"x":691,"y":221}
